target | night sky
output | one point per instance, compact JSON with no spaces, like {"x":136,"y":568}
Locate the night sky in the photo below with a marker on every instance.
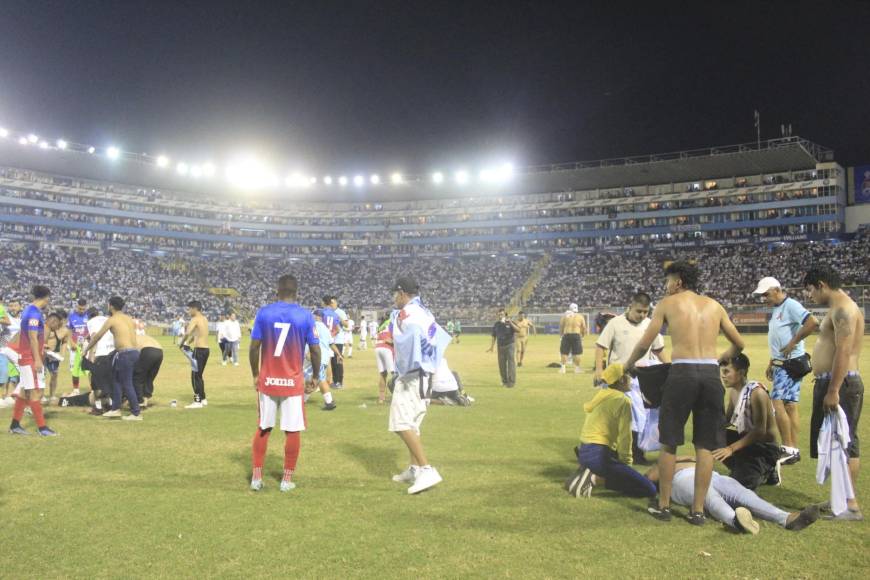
{"x":355,"y":86}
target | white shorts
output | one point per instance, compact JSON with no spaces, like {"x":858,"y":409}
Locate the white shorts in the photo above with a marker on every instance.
{"x":408,"y":407}
{"x":384,"y":358}
{"x":292,"y":412}
{"x":30,"y":379}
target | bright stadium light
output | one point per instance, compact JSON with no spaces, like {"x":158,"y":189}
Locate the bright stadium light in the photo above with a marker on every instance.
{"x":359,"y":180}
{"x":4,"y":132}
{"x":92,"y":150}
{"x":396,"y":178}
{"x":375,"y":179}
{"x":461,"y":177}
{"x":182,"y":168}
{"x":43,"y":144}
{"x":162,"y":161}
{"x":195,"y":171}
{"x":32,"y":138}
{"x":327,"y":180}
{"x":437,"y":177}
{"x":23,"y":141}
{"x":113,"y":152}
{"x":312,"y":181}
{"x":251,"y":173}
{"x":61,"y":144}
{"x":208,"y":169}
{"x":342,"y":181}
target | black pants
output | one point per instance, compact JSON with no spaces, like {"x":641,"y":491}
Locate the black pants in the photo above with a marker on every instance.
{"x":146,"y":370}
{"x":223,"y":346}
{"x":201,"y":357}
{"x":754,"y":465}
{"x":337,"y":367}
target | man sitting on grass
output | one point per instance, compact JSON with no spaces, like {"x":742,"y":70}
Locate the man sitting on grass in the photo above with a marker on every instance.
{"x":730,"y":503}
{"x":752,"y":452}
{"x":604,"y":453}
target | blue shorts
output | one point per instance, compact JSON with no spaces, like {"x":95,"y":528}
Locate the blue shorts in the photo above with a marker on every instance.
{"x":323,"y":372}
{"x":4,"y":369}
{"x":785,"y":388}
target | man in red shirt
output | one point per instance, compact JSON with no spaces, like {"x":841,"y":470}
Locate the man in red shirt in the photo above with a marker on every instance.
{"x":278,"y":338}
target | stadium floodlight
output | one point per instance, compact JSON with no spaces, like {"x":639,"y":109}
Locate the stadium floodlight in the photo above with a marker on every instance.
{"x":182,"y":168}
{"x":4,"y":132}
{"x":23,"y":141}
{"x":375,"y":179}
{"x":327,"y":180}
{"x":32,"y":138}
{"x":437,"y":177}
{"x":312,"y":181}
{"x":61,"y":144}
{"x":195,"y":171}
{"x":208,"y":169}
{"x":43,"y":144}
{"x":92,"y":150}
{"x":113,"y":152}
{"x":342,"y":181}
{"x":396,"y":178}
{"x":162,"y":161}
{"x":249,"y":172}
{"x":359,"y":180}
{"x":461,"y":177}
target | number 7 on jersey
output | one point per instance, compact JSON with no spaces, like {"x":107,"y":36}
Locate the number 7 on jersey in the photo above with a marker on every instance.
{"x":282,"y":338}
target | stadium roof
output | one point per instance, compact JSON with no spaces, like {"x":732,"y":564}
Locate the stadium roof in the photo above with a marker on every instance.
{"x":766,"y":157}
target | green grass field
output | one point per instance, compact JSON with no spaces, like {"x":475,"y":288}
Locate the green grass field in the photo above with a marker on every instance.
{"x":169,"y":496}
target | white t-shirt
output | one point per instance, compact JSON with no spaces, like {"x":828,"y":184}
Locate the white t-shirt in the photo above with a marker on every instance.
{"x":221,"y":327}
{"x":107,"y":343}
{"x":350,"y":326}
{"x":621,"y":336}
{"x":341,"y":337}
{"x":373,"y":328}
{"x":232,"y":330}
{"x":363,"y":328}
{"x":14,"y":325}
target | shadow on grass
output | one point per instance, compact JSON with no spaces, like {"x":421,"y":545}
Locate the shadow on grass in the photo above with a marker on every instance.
{"x":562,"y":445}
{"x":376,"y":461}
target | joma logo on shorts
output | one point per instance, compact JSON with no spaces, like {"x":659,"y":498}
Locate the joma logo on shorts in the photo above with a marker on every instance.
{"x":279,"y":382}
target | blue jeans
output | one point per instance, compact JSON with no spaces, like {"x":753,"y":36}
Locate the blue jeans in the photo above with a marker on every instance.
{"x":4,"y":370}
{"x":619,"y":477}
{"x":123,"y":364}
{"x":724,"y":495}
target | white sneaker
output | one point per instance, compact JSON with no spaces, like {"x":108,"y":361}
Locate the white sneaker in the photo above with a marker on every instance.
{"x":112,"y":414}
{"x":235,"y":364}
{"x":426,"y":478}
{"x":75,"y":393}
{"x":407,"y":476}
{"x":223,"y":363}
{"x":194,"y":405}
{"x":287,"y":485}
{"x":43,"y":400}
{"x":131,"y":417}
{"x":562,"y":370}
{"x":256,"y":484}
{"x":205,"y":402}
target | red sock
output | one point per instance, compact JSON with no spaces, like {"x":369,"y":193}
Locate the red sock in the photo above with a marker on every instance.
{"x":261,"y":442}
{"x":75,"y":382}
{"x":18,"y":410}
{"x":291,"y":452}
{"x":36,"y":407}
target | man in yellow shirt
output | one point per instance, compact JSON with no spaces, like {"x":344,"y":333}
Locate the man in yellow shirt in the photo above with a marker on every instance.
{"x":604,"y":454}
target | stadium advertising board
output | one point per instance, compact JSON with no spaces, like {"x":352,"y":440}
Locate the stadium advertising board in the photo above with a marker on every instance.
{"x":862,"y":184}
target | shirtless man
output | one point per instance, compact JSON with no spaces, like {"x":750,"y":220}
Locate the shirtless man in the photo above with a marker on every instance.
{"x":123,"y":330}
{"x":56,"y":338}
{"x":572,"y":328}
{"x":693,"y":384}
{"x":197,"y":331}
{"x":523,"y":325}
{"x":835,"y":365}
{"x":147,"y":367}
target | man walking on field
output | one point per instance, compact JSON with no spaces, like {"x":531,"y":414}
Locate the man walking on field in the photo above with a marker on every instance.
{"x":693,"y":384}
{"x":572,"y":329}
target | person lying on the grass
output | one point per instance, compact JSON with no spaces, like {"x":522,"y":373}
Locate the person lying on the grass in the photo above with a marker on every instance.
{"x":730,"y":503}
{"x":604,"y":454}
{"x":752,"y":452}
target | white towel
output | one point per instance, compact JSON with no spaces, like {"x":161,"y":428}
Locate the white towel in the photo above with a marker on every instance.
{"x":833,"y":440}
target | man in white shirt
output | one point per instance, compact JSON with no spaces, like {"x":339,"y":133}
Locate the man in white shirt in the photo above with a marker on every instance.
{"x":373,"y":328}
{"x":101,"y":363}
{"x":348,"y":337}
{"x":363,"y":332}
{"x":232,"y":334}
{"x":617,"y":340}
{"x":340,"y":339}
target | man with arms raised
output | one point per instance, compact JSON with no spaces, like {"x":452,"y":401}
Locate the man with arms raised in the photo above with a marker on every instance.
{"x":123,"y":330}
{"x":790,"y":323}
{"x":693,"y":384}
{"x":278,"y":338}
{"x":197,"y":331}
{"x":572,"y":328}
{"x":835,"y":364}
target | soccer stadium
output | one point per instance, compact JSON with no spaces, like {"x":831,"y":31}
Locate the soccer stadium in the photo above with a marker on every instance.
{"x":638,"y":366}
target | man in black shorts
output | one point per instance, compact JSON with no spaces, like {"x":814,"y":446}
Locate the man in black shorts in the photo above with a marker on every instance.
{"x":693,"y":384}
{"x":572,"y":328}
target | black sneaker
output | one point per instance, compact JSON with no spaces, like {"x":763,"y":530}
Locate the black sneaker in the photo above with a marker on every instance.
{"x":696,"y":518}
{"x":663,"y":514}
{"x":577,"y":484}
{"x":329,"y":407}
{"x":805,"y":517}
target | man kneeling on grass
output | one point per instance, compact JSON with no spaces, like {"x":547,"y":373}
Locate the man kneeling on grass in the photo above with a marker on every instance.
{"x":730,"y":503}
{"x":604,"y":453}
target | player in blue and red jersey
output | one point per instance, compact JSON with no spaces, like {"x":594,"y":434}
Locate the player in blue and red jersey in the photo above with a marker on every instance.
{"x":31,"y":343}
{"x":278,"y":338}
{"x":78,"y":326}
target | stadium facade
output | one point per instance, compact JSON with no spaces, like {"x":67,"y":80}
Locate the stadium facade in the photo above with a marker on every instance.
{"x":775,"y":191}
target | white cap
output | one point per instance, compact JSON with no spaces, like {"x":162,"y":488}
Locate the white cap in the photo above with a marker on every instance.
{"x":573,"y":307}
{"x":766,"y":284}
